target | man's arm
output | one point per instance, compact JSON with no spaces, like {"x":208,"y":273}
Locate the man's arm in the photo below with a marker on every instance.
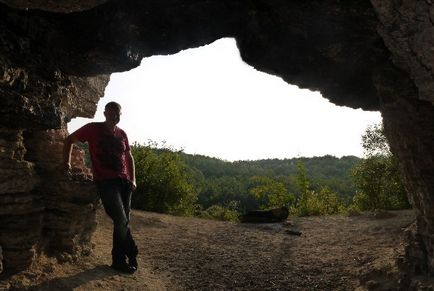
{"x":131,"y":169}
{"x":67,"y":148}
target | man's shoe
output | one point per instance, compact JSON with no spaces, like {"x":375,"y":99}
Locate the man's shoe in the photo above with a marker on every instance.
{"x":124,"y":268}
{"x":132,"y":255}
{"x":133,"y":262}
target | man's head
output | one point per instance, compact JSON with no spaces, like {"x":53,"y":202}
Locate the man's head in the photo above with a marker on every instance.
{"x":112,"y":113}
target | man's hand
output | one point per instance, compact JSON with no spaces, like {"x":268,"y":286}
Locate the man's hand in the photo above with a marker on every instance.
{"x":67,"y":148}
{"x":67,"y":168}
{"x":133,"y":185}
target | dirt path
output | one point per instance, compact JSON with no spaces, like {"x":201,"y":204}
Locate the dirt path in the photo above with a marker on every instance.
{"x":178,"y":253}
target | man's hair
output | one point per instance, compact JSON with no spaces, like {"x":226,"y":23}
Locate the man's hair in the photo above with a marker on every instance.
{"x":113,"y":104}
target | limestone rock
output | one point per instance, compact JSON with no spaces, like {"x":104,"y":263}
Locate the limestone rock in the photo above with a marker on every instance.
{"x":407,"y":30}
{"x":54,"y":65}
{"x":42,"y":207}
{"x":1,"y":260}
{"x":64,"y":6}
{"x":70,"y":200}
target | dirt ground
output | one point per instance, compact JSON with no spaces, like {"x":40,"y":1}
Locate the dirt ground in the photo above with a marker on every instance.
{"x":178,"y":253}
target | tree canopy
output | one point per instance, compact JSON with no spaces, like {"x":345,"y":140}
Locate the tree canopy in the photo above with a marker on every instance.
{"x":171,"y":181}
{"x":377,"y":176}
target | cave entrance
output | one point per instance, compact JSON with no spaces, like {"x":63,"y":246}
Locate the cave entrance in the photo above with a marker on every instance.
{"x":208,"y":101}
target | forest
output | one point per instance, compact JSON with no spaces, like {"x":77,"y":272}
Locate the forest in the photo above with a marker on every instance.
{"x":222,"y":183}
{"x":174,"y":182}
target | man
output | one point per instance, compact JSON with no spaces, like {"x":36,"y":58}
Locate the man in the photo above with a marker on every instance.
{"x":114,"y":174}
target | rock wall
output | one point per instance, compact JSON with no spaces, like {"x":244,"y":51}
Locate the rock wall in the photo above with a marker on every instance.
{"x":21,"y":209}
{"x":407,"y":28}
{"x":69,"y":200}
{"x":41,"y":209}
{"x":415,"y":118}
{"x":55,"y":62}
{"x":64,"y":6}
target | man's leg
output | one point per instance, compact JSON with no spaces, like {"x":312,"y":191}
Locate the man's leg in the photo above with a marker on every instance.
{"x":131,"y":247}
{"x":111,"y":196}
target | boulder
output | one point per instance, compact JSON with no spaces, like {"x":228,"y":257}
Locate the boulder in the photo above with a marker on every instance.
{"x":265,"y":216}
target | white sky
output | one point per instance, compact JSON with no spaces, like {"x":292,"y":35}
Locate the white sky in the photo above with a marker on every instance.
{"x":208,"y":101}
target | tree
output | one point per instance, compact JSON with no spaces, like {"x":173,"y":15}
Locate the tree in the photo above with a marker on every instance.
{"x":269,"y":193}
{"x":310,"y":202}
{"x":374,"y":142}
{"x":229,"y":212}
{"x":377,"y":176}
{"x":164,"y":183}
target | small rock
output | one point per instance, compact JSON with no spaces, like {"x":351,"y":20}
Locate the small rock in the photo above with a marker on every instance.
{"x":293,"y":232}
{"x":352,"y":212}
{"x":287,"y":223}
{"x":372,"y":284}
{"x":383,"y":214}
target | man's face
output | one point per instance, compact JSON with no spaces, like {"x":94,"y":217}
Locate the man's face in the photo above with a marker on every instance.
{"x":112,"y":115}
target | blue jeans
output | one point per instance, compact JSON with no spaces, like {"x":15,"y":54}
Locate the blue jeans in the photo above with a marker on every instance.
{"x":115,"y":195}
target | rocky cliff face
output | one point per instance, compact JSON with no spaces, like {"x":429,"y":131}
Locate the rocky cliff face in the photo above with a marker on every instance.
{"x":407,"y":28}
{"x":55,"y":60}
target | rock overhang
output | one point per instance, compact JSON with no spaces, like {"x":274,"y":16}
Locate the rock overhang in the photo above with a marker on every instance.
{"x":56,"y":58}
{"x":327,"y":45}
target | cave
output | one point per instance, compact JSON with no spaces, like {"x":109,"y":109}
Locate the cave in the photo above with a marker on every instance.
{"x":57,"y":56}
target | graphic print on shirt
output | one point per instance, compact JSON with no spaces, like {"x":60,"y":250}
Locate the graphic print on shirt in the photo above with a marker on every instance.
{"x":111,"y":150}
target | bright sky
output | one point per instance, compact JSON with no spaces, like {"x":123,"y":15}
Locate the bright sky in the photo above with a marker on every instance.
{"x":208,"y":101}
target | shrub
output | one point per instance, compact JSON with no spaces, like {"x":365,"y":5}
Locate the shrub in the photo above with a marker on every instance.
{"x":218,"y":212}
{"x":269,"y":193}
{"x":379,"y":185}
{"x":310,"y":202}
{"x":163,"y":182}
{"x":377,"y":178}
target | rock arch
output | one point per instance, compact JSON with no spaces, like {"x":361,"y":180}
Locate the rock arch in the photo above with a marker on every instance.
{"x":55,"y":61}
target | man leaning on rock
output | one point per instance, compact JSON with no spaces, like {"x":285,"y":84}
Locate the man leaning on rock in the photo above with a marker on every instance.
{"x":114,"y":174}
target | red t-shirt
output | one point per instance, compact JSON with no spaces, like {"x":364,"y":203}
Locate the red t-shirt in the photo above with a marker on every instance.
{"x":108,"y":150}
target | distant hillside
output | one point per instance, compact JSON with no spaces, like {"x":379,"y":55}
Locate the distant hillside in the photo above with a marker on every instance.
{"x":219,"y":182}
{"x":327,"y":170}
{"x":318,"y":167}
{"x":322,"y":171}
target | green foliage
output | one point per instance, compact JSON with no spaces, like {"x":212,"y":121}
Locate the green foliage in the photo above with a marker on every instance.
{"x":302,"y":181}
{"x":222,"y":190}
{"x":174,"y":182}
{"x":324,"y":202}
{"x":374,"y":142}
{"x":323,"y":171}
{"x":171,"y":181}
{"x":223,"y":181}
{"x":164,"y":183}
{"x":273,"y":183}
{"x":218,"y":212}
{"x":331,"y":203}
{"x":379,"y":185}
{"x":311,"y":202}
{"x":84,"y":146}
{"x":377,"y":177}
{"x":269,"y":193}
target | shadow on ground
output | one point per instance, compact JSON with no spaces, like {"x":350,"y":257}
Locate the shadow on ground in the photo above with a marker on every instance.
{"x":76,"y":280}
